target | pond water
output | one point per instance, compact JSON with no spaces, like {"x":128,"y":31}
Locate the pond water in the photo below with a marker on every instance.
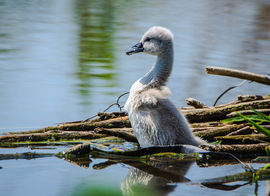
{"x":65,"y":60}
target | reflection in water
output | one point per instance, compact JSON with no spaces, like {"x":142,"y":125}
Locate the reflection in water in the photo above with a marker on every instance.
{"x":255,"y":47}
{"x":262,"y":23}
{"x":96,"y":55}
{"x":161,"y":175}
{"x":157,"y":178}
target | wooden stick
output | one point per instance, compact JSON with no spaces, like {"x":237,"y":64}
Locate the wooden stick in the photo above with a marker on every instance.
{"x":238,"y":74}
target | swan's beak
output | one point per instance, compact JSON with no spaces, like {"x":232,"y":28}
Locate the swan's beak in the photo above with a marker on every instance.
{"x":135,"y":49}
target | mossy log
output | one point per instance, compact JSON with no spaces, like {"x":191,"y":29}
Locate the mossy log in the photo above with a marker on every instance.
{"x":219,"y":131}
{"x":244,"y":139}
{"x":119,"y":122}
{"x":220,"y":112}
{"x":92,"y":148}
{"x":125,"y":133}
{"x":243,"y":150}
{"x":51,"y":135}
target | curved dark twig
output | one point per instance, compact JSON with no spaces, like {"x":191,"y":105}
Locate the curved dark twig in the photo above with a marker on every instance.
{"x":230,"y":88}
{"x":117,"y":103}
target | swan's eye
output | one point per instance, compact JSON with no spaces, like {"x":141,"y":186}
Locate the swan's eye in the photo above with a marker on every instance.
{"x":147,"y":39}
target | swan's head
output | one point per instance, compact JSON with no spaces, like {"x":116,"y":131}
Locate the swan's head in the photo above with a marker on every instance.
{"x":155,"y":41}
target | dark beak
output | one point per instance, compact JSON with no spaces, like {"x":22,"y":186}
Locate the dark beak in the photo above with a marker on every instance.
{"x":135,"y":49}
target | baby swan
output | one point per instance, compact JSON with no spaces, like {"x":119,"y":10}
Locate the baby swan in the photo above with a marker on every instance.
{"x":154,"y":118}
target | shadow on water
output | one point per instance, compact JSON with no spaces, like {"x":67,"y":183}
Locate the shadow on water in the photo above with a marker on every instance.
{"x":96,"y":55}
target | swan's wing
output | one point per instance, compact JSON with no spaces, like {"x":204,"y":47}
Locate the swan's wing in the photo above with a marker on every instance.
{"x":167,"y":122}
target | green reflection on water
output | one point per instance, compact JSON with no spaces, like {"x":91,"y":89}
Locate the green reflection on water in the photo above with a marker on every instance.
{"x":98,"y":191}
{"x":96,"y":48}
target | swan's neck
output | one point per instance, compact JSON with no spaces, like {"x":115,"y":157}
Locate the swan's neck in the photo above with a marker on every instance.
{"x":160,"y":71}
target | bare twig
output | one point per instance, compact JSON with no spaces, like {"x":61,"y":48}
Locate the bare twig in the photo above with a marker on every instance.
{"x":238,"y":74}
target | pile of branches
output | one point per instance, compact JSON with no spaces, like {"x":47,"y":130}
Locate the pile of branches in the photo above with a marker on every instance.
{"x":206,"y":122}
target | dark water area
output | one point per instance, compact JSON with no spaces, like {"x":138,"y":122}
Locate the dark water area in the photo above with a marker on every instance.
{"x":65,"y":60}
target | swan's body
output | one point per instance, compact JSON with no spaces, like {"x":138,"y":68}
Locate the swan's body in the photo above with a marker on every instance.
{"x":154,"y":118}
